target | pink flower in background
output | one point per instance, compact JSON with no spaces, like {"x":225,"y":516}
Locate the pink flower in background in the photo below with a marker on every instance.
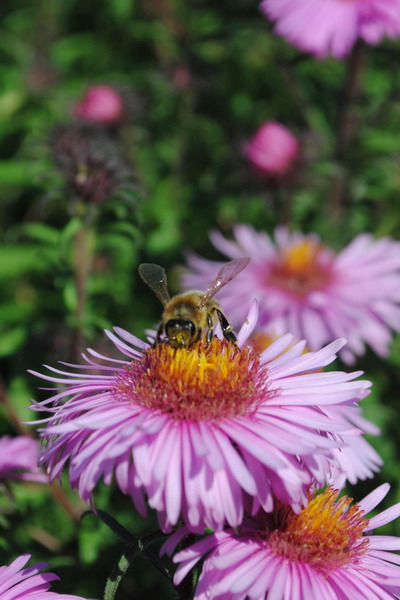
{"x":100,"y":104}
{"x":273,"y":149}
{"x":325,"y":552}
{"x":304,"y":288}
{"x":331,"y":27}
{"x":203,"y":429}
{"x":19,"y":457}
{"x":19,"y":583}
{"x":356,"y":459}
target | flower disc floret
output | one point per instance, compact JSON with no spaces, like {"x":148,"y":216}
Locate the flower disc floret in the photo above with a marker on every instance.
{"x":197,"y":432}
{"x":325,"y":534}
{"x":301,"y":269}
{"x":205,"y":382}
{"x":324,"y":551}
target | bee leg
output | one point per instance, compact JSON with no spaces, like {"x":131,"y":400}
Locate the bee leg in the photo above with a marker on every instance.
{"x":226,"y":328}
{"x":159,"y":333}
{"x":210,"y":330}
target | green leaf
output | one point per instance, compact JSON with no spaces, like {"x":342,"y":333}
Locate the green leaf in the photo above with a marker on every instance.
{"x":12,"y":340}
{"x":20,"y":260}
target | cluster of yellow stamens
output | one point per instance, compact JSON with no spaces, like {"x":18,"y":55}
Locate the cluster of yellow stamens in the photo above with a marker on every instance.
{"x":326,"y":534}
{"x":206,"y":381}
{"x":299,"y":269}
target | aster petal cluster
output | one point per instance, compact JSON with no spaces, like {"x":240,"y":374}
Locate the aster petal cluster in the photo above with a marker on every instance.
{"x":198,"y":431}
{"x":306,"y":289}
{"x":325,"y":551}
{"x":18,"y":582}
{"x":19,"y":457}
{"x":332,"y":27}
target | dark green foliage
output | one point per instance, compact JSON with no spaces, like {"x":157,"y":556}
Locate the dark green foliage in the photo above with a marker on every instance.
{"x":198,"y":77}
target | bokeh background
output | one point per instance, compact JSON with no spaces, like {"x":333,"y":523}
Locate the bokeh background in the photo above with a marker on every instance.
{"x":196,"y":80}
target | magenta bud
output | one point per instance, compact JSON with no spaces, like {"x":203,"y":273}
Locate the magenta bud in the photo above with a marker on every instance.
{"x":273,"y":149}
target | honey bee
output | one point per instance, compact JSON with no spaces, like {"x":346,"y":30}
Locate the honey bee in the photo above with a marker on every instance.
{"x":190,"y":315}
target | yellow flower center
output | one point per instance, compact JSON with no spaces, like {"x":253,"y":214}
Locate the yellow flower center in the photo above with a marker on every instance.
{"x":300,"y":270}
{"x":203,"y":382}
{"x":326,"y":534}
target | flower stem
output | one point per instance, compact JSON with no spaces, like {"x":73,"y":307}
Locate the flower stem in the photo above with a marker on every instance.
{"x":125,"y":561}
{"x":82,"y":262}
{"x":347,"y":127}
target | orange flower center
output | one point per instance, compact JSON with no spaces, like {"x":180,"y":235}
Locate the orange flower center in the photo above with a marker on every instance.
{"x":300,"y":269}
{"x":326,"y":534}
{"x":203,"y":382}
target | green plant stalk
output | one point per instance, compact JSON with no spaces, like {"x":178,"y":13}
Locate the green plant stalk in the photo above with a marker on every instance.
{"x":82,"y":265}
{"x":347,"y":127}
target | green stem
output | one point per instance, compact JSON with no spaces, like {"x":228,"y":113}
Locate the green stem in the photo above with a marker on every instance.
{"x":347,"y":128}
{"x":82,"y":263}
{"x":120,"y":569}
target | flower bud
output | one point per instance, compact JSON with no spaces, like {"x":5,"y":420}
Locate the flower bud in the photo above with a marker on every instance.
{"x":100,"y":104}
{"x":272,"y":150}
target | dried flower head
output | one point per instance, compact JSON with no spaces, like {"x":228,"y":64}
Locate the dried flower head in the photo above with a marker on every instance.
{"x":90,"y":163}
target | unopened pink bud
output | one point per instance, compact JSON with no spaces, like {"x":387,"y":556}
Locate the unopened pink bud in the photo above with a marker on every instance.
{"x":100,"y":104}
{"x":273,"y":149}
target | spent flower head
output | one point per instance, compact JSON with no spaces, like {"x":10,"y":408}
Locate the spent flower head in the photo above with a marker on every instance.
{"x":90,"y":163}
{"x":200,"y":430}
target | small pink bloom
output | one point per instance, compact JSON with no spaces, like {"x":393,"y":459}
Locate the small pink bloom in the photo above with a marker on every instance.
{"x":326,"y":551}
{"x":331,"y":27}
{"x":273,"y":149}
{"x":19,"y":457}
{"x":200,"y":430}
{"x":304,"y":288}
{"x":100,"y":104}
{"x":19,"y":583}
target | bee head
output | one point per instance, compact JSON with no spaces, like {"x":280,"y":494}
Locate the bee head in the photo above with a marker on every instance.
{"x":180,"y":332}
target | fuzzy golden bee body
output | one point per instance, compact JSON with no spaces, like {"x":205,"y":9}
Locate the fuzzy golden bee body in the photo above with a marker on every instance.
{"x":190,"y":315}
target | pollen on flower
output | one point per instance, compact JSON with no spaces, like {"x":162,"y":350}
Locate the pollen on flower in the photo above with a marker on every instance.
{"x":203,"y":382}
{"x":300,"y":269}
{"x":326,"y":534}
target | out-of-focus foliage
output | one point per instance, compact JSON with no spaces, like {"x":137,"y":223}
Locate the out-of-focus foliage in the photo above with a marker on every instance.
{"x":198,"y":78}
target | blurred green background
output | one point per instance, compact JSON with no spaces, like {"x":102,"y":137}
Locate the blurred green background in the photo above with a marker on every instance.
{"x":197,"y":78}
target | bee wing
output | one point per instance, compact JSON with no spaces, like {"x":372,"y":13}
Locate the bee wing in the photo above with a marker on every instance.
{"x":228,"y":272}
{"x":156,"y":278}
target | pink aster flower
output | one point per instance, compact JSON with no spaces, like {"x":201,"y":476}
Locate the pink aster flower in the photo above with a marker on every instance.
{"x":356,"y":459}
{"x":199,"y":430}
{"x":304,"y":288}
{"x":19,"y":583}
{"x":324,"y":552}
{"x":273,"y":149}
{"x":331,"y":27}
{"x":100,"y":104}
{"x":19,"y":459}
